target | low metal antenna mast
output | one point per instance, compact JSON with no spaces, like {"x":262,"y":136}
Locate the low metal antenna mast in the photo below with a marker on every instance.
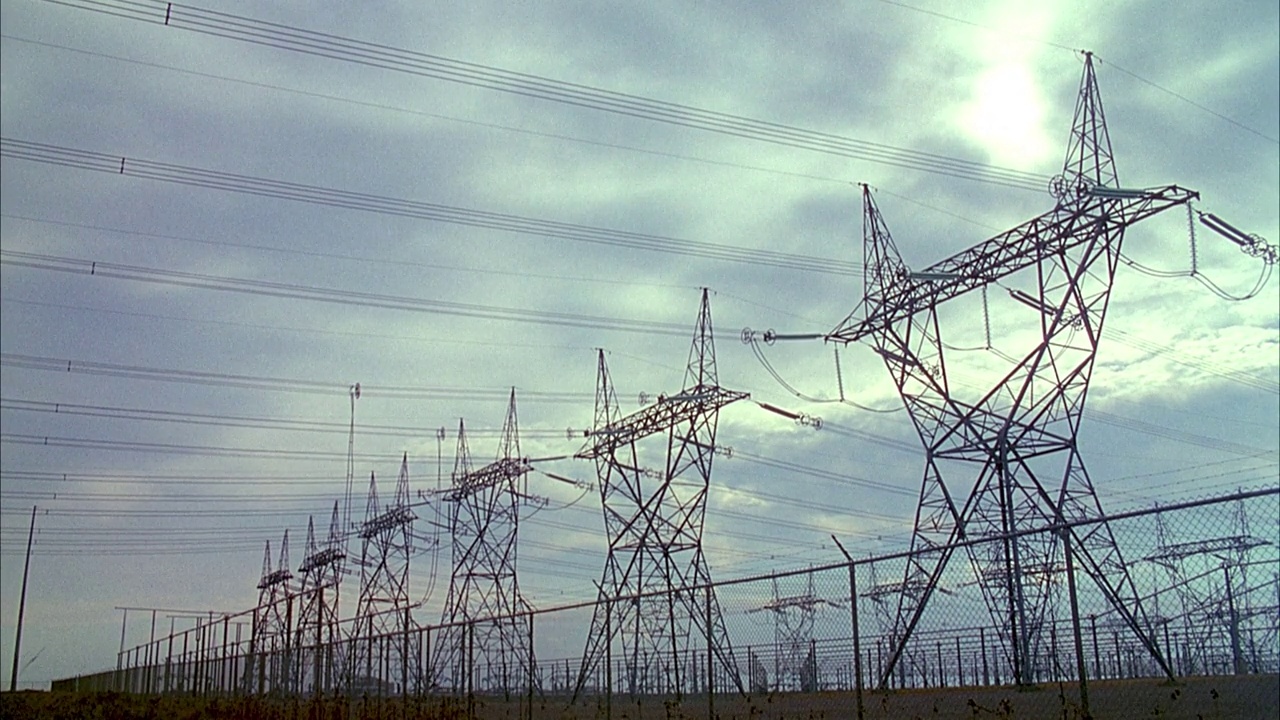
{"x":382,"y":648}
{"x":268,"y":667}
{"x":1021,"y":434}
{"x":654,"y":521}
{"x":354,"y":393}
{"x":484,"y":521}
{"x":318,"y":614}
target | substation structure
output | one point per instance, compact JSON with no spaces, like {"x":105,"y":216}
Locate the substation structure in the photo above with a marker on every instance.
{"x":1226,"y":597}
{"x":795,"y":650}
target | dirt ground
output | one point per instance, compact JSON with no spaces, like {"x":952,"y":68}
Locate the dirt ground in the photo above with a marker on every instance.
{"x":1248,"y":697}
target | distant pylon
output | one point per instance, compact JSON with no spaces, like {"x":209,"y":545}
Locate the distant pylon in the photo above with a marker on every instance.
{"x":317,"y":627}
{"x":653,"y":520}
{"x":484,"y":522}
{"x":384,"y":653}
{"x":267,"y":670}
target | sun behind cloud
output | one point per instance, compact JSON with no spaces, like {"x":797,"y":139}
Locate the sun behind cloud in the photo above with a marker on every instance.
{"x":1005,"y":112}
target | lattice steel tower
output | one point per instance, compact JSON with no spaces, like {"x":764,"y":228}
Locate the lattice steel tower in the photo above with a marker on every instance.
{"x":384,"y":653}
{"x":317,"y":627}
{"x":484,"y":521}
{"x":267,"y":669}
{"x":654,"y":520}
{"x":1017,"y":442}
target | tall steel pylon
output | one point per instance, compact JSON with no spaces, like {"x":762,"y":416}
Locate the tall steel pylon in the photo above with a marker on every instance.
{"x":484,"y":644}
{"x":1021,"y":434}
{"x":384,"y":653}
{"x":317,"y":626}
{"x":654,"y":520}
{"x":267,"y":669}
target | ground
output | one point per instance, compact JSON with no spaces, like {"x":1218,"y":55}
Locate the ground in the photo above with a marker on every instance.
{"x":1248,"y":697}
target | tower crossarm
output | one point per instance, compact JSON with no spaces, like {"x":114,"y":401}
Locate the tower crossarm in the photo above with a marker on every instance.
{"x":668,"y":412}
{"x":393,"y":518}
{"x":502,"y":471}
{"x":278,"y":577}
{"x":1042,"y":237}
{"x":321,"y":559}
{"x":1211,"y":546}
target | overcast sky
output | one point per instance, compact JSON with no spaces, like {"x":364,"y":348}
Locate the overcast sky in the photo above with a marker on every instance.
{"x":178,"y":472}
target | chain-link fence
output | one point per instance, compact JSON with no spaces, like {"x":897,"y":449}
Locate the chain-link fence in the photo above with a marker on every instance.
{"x":1168,"y":612}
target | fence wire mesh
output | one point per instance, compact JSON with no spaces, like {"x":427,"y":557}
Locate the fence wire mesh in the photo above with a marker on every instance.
{"x":1181,"y":621}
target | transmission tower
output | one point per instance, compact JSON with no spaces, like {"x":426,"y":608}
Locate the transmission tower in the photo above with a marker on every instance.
{"x":669,"y":616}
{"x":1218,"y":597}
{"x":485,"y":644}
{"x":384,"y":653}
{"x":795,"y":660}
{"x":1021,"y":434}
{"x":268,"y":667}
{"x":317,"y":627}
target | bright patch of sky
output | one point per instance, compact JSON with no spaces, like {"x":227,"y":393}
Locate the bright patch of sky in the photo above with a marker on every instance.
{"x":1005,"y":112}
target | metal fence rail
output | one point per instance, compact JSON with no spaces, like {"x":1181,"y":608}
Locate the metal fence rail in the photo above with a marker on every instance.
{"x":1210,"y":598}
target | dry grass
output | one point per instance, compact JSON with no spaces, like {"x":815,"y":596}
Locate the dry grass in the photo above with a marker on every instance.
{"x":1217,"y":698}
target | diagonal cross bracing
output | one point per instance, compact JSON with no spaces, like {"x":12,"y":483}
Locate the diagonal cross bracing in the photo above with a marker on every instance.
{"x":267,"y":668}
{"x":383,"y":653}
{"x":656,"y":604}
{"x":1021,"y":433}
{"x":317,"y":627}
{"x":484,"y":643}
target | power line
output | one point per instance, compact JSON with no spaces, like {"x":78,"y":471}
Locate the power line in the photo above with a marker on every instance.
{"x":63,"y":156}
{"x":178,"y":449}
{"x":338,"y":296}
{"x":434,"y":339}
{"x":436,"y":116}
{"x":387,"y":262}
{"x":285,"y":37}
{"x":266,"y":423}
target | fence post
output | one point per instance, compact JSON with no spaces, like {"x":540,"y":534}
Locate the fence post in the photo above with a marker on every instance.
{"x":471,"y":669}
{"x":608,"y":661}
{"x":711,"y":686}
{"x":1075,"y":622}
{"x":404,"y":659}
{"x":428,"y":672}
{"x":857,"y":643}
{"x":532,"y":669}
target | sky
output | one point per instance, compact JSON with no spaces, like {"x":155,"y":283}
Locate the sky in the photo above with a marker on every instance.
{"x":446,"y":241}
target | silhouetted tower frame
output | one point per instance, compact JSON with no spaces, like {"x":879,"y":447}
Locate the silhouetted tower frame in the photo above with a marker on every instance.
{"x":383,"y":647}
{"x":654,"y":522}
{"x":317,"y":627}
{"x":1022,"y":433}
{"x":485,"y":623}
{"x":268,"y":668}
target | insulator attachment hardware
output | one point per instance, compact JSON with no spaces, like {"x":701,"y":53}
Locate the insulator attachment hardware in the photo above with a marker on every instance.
{"x":1250,"y":243}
